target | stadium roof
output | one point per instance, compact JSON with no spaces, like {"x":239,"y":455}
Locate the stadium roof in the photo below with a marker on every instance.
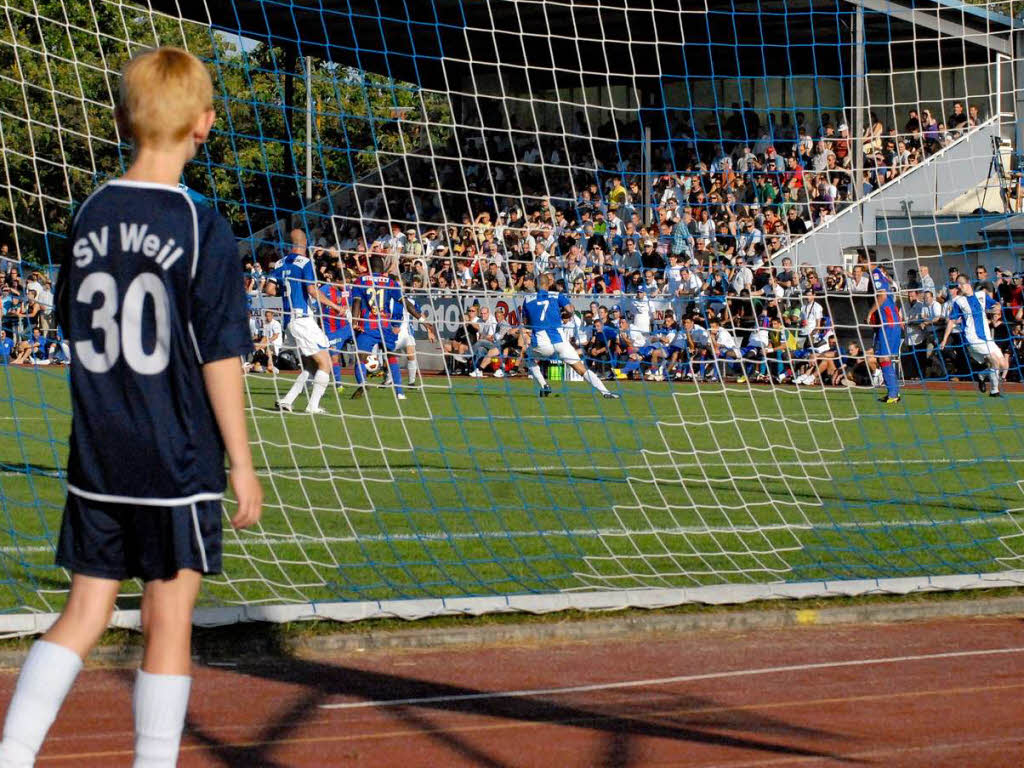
{"x":506,"y":47}
{"x":1011,"y":226}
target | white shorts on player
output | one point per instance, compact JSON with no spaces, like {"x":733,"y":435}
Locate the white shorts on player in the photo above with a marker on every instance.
{"x":405,"y":337}
{"x":982,"y":350}
{"x":544,"y":347}
{"x":309,"y":336}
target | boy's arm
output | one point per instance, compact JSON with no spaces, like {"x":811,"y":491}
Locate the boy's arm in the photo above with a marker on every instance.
{"x":221,"y":335}
{"x":223,"y":379}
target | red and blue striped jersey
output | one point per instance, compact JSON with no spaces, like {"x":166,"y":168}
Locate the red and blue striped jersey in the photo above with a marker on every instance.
{"x":335,"y":320}
{"x":888,"y":313}
{"x":381,"y":298}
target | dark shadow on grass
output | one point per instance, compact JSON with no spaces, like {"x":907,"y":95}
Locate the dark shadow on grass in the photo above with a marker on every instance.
{"x":681,"y":718}
{"x":826,"y":493}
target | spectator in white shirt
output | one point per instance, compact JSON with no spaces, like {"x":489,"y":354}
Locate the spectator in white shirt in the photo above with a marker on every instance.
{"x":927,"y":283}
{"x":858,"y":282}
{"x":726,"y":348}
{"x":269,"y":345}
{"x":742,"y":276}
{"x":688,"y":290}
{"x":811,"y":314}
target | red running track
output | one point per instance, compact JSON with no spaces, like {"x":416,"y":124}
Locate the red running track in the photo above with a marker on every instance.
{"x":944,"y":693}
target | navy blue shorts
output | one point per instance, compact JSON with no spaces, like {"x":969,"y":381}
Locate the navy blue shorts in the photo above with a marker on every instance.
{"x":124,"y":541}
{"x":339,"y":338}
{"x":888,"y":340}
{"x":366,"y":341}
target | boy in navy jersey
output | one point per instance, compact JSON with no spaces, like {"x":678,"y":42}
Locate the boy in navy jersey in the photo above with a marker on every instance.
{"x":151,"y":303}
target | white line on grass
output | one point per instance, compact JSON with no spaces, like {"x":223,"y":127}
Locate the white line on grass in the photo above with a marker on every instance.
{"x":579,"y":533}
{"x":659,"y":681}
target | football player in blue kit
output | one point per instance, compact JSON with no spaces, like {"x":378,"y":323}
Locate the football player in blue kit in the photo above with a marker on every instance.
{"x":542,"y":316}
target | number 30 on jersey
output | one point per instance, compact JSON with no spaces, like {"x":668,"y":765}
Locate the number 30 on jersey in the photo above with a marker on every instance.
{"x":126,"y":339}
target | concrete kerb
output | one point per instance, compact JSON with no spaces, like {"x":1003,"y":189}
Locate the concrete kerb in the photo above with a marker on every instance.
{"x":622,"y":626}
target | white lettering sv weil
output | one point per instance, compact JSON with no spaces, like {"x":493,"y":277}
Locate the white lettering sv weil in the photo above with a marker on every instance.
{"x":135,"y":238}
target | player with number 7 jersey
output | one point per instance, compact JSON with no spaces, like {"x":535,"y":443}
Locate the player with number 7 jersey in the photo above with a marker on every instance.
{"x":147,"y":293}
{"x":542,"y":316}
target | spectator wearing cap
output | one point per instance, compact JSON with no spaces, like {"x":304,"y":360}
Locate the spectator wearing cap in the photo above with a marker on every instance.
{"x":1003,"y":285}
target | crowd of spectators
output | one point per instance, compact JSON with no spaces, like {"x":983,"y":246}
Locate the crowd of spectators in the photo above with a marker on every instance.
{"x":704,"y":238}
{"x":733,"y":193}
{"x":28,"y":331}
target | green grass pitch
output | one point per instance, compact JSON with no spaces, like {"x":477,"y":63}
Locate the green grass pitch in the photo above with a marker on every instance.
{"x":481,"y":488}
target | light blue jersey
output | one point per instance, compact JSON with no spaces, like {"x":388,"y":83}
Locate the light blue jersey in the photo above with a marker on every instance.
{"x":294,"y":273}
{"x":972,"y":313}
{"x":544,"y":313}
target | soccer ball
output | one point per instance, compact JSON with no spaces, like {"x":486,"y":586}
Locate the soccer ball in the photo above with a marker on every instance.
{"x":372,"y":364}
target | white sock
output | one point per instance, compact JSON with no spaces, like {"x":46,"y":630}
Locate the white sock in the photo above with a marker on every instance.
{"x":591,"y":378}
{"x":537,"y":375}
{"x":994,"y":376}
{"x":45,"y":680}
{"x":414,"y":368}
{"x":320,"y":382}
{"x":159,"y":703}
{"x":298,"y":386}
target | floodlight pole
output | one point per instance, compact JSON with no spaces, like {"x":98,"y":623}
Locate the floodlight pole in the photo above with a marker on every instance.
{"x":646,"y":185}
{"x":309,"y":128}
{"x":859,"y":101}
{"x":1017,"y":80}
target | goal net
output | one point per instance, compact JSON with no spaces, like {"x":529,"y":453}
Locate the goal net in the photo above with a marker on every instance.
{"x":744,"y":203}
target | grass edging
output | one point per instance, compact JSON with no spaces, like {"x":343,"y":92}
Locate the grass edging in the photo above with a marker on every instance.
{"x":255,"y":641}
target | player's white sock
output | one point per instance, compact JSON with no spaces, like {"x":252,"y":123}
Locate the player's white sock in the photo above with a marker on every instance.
{"x":298,"y":386}
{"x":995,"y":377}
{"x":320,"y":382}
{"x":537,"y":375}
{"x":160,"y":703}
{"x":45,"y":680}
{"x":591,"y":378}
{"x":414,"y":368}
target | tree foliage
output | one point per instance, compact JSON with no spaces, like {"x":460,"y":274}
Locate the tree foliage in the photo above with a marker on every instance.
{"x":58,"y":86}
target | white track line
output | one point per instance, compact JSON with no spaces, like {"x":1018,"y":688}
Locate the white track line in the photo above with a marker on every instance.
{"x":997,"y":518}
{"x":669,"y":680}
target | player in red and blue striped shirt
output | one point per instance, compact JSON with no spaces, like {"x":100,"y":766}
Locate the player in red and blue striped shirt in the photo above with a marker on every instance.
{"x":889,"y":336}
{"x":336,"y":320}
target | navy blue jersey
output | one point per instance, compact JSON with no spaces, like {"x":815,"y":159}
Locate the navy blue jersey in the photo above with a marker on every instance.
{"x":544,"y":313}
{"x":150,"y":289}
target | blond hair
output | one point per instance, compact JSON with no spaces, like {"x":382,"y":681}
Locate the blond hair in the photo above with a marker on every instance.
{"x":163,"y":92}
